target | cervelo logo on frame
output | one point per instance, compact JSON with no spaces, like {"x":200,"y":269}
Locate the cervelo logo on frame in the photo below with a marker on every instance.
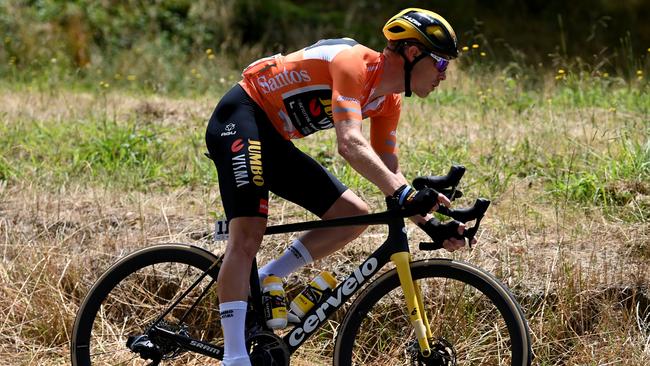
{"x":282,"y":79}
{"x":351,"y":284}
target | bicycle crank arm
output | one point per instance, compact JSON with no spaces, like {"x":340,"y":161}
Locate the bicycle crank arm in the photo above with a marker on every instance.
{"x":190,"y":344}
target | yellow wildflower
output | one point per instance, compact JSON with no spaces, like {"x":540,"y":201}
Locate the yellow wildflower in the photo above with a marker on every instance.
{"x":208,"y":51}
{"x":605,"y":74}
{"x":639,"y":72}
{"x":560,"y":71}
{"x":130,"y":77}
{"x":53,"y":60}
{"x":474,"y":46}
{"x":483,"y":54}
{"x":210,"y":57}
{"x":465,"y":48}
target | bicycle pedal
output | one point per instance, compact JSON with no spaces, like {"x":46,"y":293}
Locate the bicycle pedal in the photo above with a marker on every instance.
{"x":143,"y":346}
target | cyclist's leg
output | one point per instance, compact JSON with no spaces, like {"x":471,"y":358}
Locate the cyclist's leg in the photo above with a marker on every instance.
{"x":300,"y":179}
{"x":235,"y":144}
{"x":324,"y":242}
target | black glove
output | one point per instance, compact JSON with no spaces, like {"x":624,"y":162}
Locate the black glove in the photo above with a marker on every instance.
{"x":412,"y":202}
{"x":439,"y":232}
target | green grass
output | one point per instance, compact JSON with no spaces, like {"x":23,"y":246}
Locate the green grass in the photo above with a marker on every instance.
{"x":89,"y":173}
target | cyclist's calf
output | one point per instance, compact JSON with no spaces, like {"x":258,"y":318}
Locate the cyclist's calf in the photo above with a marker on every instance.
{"x":245,"y":237}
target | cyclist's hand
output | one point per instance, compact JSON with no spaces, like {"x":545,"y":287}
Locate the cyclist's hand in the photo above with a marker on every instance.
{"x":449,"y":233}
{"x":413,"y":202}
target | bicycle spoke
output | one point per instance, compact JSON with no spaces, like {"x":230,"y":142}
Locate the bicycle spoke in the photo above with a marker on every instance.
{"x":458,"y":314}
{"x":137,"y":300}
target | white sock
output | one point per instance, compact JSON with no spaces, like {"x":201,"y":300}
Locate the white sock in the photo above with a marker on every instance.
{"x":239,"y":361}
{"x":293,"y":258}
{"x":233,"y":318}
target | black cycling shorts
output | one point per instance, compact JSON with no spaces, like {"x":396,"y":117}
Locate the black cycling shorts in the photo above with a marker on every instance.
{"x":252,"y":158}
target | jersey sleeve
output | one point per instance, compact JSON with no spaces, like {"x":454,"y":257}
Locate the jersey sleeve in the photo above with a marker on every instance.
{"x":348,"y":72}
{"x":383,"y":126}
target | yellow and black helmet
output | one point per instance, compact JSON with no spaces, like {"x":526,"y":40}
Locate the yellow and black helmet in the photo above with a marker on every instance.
{"x":425,"y":27}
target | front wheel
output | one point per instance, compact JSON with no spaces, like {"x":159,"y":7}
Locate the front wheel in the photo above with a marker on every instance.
{"x":473,"y":318}
{"x":133,"y":293}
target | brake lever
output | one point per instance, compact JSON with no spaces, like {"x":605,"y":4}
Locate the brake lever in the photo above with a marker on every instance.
{"x":445,"y":184}
{"x":476,"y":212}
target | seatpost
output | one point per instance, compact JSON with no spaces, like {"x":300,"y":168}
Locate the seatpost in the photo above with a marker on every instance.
{"x":256,"y":293}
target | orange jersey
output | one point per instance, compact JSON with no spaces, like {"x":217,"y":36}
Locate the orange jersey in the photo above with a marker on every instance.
{"x":313,"y":88}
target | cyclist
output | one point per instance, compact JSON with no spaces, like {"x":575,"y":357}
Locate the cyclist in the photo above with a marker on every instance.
{"x":335,"y":83}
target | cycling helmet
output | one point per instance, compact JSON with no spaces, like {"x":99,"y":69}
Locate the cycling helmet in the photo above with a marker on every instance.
{"x":426,"y":28}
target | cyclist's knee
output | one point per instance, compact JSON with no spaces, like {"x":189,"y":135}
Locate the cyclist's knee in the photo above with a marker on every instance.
{"x":349,"y":204}
{"x":245,"y":237}
{"x":361,"y":207}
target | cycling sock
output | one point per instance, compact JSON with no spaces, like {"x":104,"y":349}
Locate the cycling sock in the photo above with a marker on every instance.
{"x":239,"y":361}
{"x":293,"y":258}
{"x":233,"y":317}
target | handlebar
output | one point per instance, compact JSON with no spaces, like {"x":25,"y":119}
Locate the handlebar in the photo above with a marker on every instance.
{"x":476,"y":212}
{"x":445,"y":184}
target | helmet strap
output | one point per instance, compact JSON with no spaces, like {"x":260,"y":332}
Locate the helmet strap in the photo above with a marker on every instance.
{"x":408,"y":66}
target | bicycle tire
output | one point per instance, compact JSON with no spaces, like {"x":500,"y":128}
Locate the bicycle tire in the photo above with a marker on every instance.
{"x":102,"y":308}
{"x":376,"y":326}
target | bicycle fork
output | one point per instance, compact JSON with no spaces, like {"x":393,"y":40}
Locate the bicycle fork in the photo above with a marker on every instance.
{"x":414,"y":303}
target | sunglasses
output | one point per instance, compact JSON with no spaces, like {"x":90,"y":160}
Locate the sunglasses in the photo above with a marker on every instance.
{"x":441,"y":63}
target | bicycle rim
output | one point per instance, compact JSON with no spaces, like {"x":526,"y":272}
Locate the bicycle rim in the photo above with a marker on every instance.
{"x":473,"y":319}
{"x":133,"y":293}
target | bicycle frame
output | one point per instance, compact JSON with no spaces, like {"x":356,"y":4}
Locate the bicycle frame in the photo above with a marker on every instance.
{"x":394,"y":249}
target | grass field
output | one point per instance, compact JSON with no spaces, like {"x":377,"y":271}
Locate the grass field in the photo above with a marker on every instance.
{"x":90,"y":174}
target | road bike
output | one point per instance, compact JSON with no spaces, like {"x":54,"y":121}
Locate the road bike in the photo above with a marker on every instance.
{"x":159,"y":305}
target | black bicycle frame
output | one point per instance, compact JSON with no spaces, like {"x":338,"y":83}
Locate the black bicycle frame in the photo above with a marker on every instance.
{"x":335,"y":299}
{"x":330,"y":303}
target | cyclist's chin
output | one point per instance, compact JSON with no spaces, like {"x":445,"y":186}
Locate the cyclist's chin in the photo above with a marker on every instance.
{"x":422,"y":93}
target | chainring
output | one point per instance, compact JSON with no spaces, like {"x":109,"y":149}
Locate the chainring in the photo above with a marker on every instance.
{"x":267,"y":349}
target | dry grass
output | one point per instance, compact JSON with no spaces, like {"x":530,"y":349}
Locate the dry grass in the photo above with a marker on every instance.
{"x":581,"y":274}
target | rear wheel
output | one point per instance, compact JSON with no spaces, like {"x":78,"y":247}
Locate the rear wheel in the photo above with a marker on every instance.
{"x":473,"y":318}
{"x":133,"y":293}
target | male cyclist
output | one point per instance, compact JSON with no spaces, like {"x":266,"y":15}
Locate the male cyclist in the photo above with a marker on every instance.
{"x":335,"y":83}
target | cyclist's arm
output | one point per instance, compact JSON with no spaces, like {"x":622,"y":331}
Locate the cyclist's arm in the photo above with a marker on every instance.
{"x":392,"y":163}
{"x":348,"y":71}
{"x":356,"y":150}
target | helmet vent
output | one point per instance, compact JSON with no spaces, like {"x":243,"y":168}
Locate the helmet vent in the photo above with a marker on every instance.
{"x":396,"y":29}
{"x":436,"y":31}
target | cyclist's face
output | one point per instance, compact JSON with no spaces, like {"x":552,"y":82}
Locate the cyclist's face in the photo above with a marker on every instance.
{"x":426,"y":77}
